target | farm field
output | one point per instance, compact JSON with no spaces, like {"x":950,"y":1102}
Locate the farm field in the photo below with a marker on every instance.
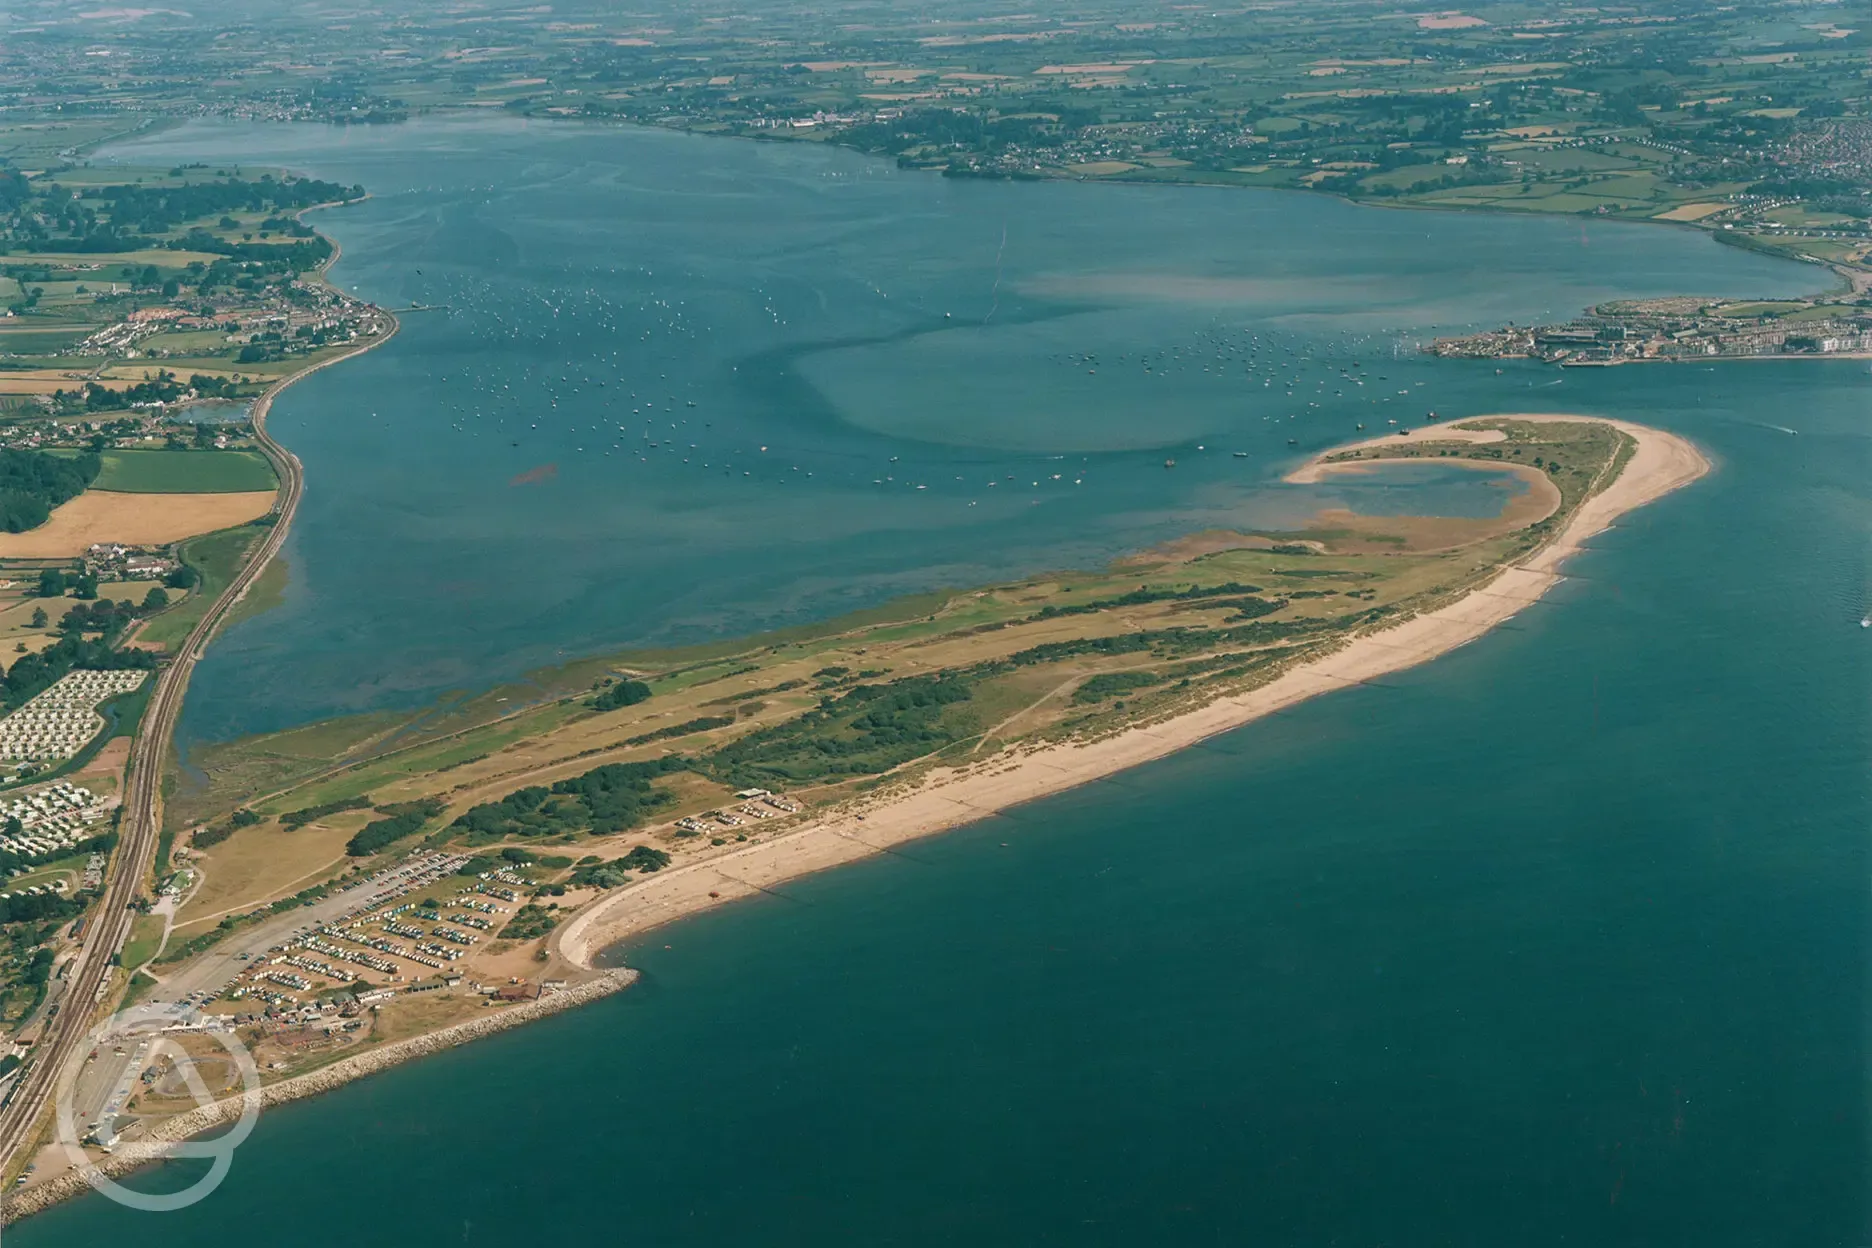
{"x":133,"y":519}
{"x":185,"y":472}
{"x":18,"y":602}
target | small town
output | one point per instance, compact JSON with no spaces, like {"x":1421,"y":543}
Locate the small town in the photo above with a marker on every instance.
{"x":1677,"y":329}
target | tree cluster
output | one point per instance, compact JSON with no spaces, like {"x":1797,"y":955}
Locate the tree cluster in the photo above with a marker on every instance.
{"x":604,"y":800}
{"x":32,"y":483}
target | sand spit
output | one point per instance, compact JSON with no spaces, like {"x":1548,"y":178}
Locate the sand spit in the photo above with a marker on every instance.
{"x":948,"y":798}
{"x":951,"y":797}
{"x":134,"y":1155}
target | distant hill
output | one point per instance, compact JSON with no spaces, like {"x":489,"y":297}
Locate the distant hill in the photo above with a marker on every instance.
{"x":32,"y":483}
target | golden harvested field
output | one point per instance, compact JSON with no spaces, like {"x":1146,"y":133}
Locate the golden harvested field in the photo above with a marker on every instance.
{"x":136,"y":519}
{"x":266,"y":863}
{"x":161,"y":257}
{"x":23,"y":383}
{"x":1691,"y":212}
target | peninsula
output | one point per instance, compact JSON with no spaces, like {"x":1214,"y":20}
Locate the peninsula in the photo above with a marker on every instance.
{"x":355,"y":885}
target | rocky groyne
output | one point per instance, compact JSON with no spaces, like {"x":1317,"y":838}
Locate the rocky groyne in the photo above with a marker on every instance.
{"x":165,"y":1135}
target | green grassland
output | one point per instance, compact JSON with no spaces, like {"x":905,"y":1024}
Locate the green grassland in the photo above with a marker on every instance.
{"x":185,"y":472}
{"x":217,"y":559}
{"x":37,"y":141}
{"x":145,"y":938}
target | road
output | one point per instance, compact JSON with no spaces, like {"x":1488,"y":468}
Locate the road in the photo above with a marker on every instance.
{"x":205,"y":975}
{"x":142,"y":817}
{"x":99,"y":1092}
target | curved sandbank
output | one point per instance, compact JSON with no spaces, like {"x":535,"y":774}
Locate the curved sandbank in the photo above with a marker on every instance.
{"x":950,"y":797}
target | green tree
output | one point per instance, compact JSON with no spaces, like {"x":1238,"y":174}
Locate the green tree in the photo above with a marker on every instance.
{"x":624,"y":693}
{"x":156,"y":599}
{"x":39,"y":617}
{"x":51,"y":583}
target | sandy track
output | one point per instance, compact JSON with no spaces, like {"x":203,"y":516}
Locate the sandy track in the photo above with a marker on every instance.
{"x":133,"y":519}
{"x":1663,"y":462}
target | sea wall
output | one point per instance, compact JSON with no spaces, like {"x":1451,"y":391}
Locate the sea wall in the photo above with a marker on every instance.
{"x":166,"y":1134}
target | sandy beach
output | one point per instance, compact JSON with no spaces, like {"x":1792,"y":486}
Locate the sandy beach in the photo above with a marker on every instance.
{"x":949,"y":798}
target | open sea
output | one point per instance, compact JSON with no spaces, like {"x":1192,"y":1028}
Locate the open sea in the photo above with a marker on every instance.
{"x":1559,"y":940}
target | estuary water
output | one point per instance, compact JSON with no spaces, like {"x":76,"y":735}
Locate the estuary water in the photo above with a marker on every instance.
{"x":675,"y":389}
{"x":1558,"y":940}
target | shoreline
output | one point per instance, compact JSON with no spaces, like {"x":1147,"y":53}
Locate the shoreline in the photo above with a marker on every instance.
{"x":137,"y":1154}
{"x":952,"y":796}
{"x":143,"y":841}
{"x":1845,"y":272}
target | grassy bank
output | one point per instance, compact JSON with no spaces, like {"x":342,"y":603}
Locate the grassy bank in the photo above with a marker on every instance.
{"x":217,"y":559}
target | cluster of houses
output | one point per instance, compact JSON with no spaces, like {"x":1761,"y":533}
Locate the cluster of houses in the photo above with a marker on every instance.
{"x":426,"y":939}
{"x":63,"y":719}
{"x":755,"y":804}
{"x":52,"y":818}
{"x":109,"y":561}
{"x":35,"y":890}
{"x":292,"y":1022}
{"x":307,"y":310}
{"x":1662,"y":330}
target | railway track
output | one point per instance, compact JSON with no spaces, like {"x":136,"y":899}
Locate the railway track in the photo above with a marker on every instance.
{"x":141,"y":826}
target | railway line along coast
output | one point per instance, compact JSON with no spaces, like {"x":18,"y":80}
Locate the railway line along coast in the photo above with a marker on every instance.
{"x":89,"y":990}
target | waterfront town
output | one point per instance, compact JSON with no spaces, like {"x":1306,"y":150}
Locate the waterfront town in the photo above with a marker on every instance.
{"x":1678,"y":328}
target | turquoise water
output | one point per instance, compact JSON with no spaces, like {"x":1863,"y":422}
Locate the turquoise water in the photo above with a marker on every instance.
{"x":894,"y":341}
{"x":1559,"y":940}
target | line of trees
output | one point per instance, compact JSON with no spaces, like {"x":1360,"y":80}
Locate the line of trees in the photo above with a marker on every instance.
{"x":33,"y":673}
